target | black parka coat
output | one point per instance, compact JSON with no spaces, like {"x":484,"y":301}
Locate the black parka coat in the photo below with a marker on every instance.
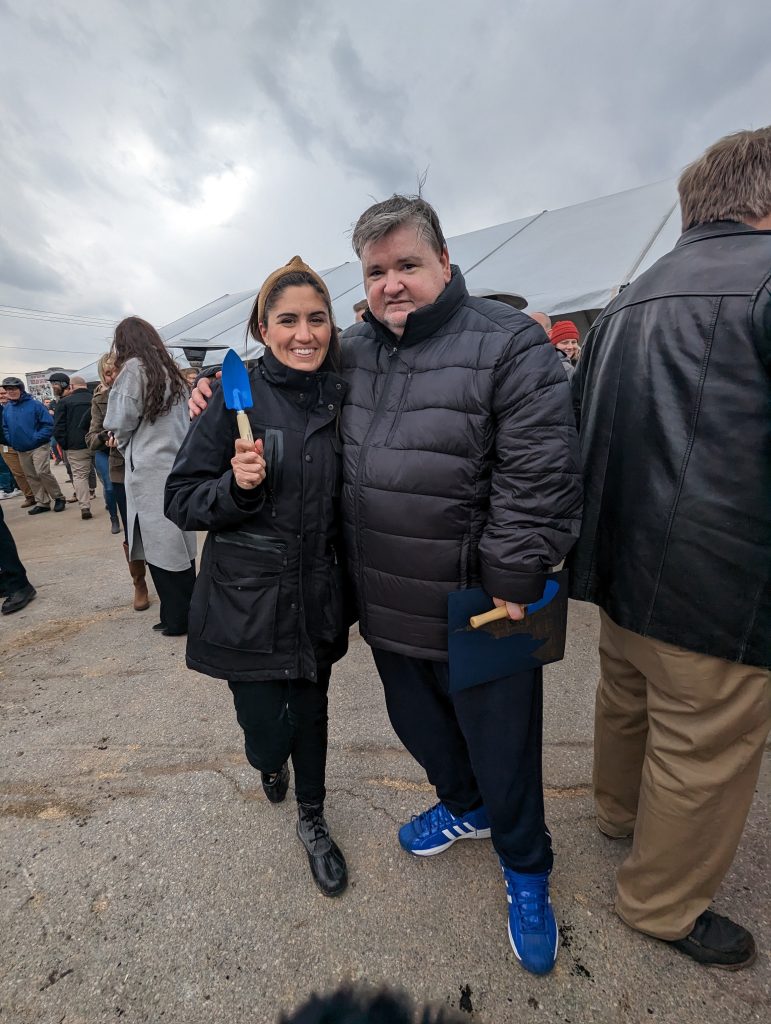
{"x":461,"y":465}
{"x":270,"y":598}
{"x":673,"y":391}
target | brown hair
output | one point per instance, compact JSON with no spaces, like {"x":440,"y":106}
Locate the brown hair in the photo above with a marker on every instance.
{"x":382,"y":218}
{"x":730,"y":181}
{"x":296,"y":279}
{"x":137,"y":339}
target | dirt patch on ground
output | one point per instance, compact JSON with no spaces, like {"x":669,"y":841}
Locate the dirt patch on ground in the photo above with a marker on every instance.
{"x":59,"y":629}
{"x":45,"y":810}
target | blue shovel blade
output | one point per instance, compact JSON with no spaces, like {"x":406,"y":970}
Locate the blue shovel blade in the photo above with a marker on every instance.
{"x":235,"y":382}
{"x":504,"y":648}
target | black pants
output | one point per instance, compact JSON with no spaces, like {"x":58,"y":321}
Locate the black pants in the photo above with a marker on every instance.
{"x":477,"y":746}
{"x":284,"y":718}
{"x":175,"y":590}
{"x":14,"y":576}
{"x":120,"y":497}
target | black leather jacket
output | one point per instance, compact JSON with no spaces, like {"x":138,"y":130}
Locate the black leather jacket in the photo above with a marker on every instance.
{"x":673,"y":391}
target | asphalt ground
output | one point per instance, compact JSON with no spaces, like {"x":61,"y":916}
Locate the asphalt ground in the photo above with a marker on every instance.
{"x":145,"y":877}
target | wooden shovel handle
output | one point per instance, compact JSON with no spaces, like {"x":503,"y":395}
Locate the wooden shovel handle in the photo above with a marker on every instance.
{"x":243,"y":426}
{"x":492,"y":616}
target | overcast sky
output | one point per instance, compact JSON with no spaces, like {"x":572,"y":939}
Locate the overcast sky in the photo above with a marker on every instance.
{"x":159,"y":153}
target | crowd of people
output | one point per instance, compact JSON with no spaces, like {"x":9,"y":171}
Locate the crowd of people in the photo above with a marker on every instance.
{"x":454,"y":442}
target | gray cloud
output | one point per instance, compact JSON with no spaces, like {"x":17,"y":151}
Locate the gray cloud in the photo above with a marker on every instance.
{"x":156,"y":155}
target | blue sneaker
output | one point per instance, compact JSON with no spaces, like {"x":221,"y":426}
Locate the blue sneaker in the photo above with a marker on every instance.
{"x":437,"y":828}
{"x":532,"y":927}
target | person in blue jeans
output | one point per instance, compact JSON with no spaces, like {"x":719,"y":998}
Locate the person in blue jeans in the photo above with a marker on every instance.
{"x":96,"y":438}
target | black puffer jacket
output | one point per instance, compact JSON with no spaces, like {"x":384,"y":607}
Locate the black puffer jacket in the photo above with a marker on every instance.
{"x":461,"y":465}
{"x":270,"y":598}
{"x":673,"y":389}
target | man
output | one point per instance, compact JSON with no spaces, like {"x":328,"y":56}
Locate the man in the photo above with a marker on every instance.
{"x":11,"y":458}
{"x":14,"y":585}
{"x":359,"y":309}
{"x":673,"y":389}
{"x":71,"y":422}
{"x":460,"y":469}
{"x":28,"y":426}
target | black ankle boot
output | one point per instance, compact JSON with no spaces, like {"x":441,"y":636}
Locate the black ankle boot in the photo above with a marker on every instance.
{"x":275,"y":786}
{"x":324,"y":856}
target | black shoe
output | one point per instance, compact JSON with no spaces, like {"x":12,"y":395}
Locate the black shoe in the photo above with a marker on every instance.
{"x":114,"y":526}
{"x":324,"y":856}
{"x":38,"y":510}
{"x":714,"y":941}
{"x":59,"y":504}
{"x":275,"y":786}
{"x":173,"y":632}
{"x":159,"y":627}
{"x":18,"y":599}
{"x":85,"y":513}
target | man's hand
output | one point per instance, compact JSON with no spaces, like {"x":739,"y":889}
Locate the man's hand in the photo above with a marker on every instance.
{"x":514,"y":611}
{"x":248,"y":463}
{"x":199,"y":399}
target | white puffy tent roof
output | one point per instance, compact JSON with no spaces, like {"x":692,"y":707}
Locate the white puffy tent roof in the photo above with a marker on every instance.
{"x":567,"y":263}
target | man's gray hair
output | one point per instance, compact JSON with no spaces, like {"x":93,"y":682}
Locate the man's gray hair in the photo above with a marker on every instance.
{"x":382,"y":218}
{"x":730,"y":181}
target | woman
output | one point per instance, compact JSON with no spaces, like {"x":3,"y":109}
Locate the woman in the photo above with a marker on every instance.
{"x":111,"y":469}
{"x":147,"y":412}
{"x":268,"y":611}
{"x":96,"y":438}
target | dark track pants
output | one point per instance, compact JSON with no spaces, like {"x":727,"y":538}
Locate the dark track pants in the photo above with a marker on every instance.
{"x":481,"y":745}
{"x":284,"y":718}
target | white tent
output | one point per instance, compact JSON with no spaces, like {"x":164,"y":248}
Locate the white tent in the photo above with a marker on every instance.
{"x":568,"y":263}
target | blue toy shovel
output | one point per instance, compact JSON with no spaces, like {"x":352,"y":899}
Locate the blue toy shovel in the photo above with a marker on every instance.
{"x":237,"y":391}
{"x":485,"y":645}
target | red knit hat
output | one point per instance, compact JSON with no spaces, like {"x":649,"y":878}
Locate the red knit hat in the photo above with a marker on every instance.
{"x":564,"y":330}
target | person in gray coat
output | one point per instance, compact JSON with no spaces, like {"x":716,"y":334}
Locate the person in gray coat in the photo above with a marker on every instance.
{"x":147,"y":412}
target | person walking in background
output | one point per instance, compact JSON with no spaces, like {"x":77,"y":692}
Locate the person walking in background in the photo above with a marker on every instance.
{"x":269,"y":612}
{"x":11,"y":458}
{"x":112,"y":470}
{"x":147,"y":412}
{"x":545,"y":321}
{"x":28,"y":427}
{"x":14,"y":585}
{"x":359,"y":309}
{"x":71,"y":422}
{"x":97,"y":437}
{"x":676,"y":550}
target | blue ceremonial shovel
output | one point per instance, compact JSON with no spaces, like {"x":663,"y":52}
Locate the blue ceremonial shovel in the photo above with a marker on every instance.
{"x":485,"y":644}
{"x":237,"y":391}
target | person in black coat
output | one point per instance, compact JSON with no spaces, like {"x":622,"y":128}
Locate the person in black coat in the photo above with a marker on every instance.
{"x":673,"y":392}
{"x":269,"y":612}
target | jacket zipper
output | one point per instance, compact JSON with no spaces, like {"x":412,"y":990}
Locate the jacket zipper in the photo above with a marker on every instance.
{"x":357,"y":485}
{"x":398,"y":415}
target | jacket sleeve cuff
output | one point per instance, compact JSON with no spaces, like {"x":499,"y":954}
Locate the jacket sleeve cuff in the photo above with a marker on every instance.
{"x":519,"y":587}
{"x":248,"y":501}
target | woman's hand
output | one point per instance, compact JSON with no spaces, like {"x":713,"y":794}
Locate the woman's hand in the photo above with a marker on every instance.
{"x":248,"y":464}
{"x":111,"y":440}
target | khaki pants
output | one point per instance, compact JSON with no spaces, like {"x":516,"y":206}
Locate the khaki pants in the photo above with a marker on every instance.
{"x":37,"y":469}
{"x":81,"y":463}
{"x":678,"y":742}
{"x":13,"y":462}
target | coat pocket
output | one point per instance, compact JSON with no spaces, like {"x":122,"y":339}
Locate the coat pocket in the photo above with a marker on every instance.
{"x":241,"y":613}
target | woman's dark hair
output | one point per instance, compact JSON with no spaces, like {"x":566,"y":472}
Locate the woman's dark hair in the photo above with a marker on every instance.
{"x":297,"y":279}
{"x":135,"y":338}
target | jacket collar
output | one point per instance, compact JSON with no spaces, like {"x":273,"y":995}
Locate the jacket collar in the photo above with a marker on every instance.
{"x":427,"y":320}
{"x":280,"y":375}
{"x":717,"y":229}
